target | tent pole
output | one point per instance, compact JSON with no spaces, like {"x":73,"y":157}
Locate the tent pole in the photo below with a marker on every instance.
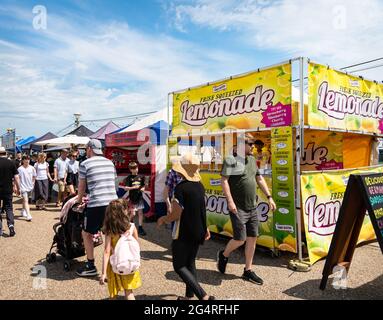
{"x":299,"y":146}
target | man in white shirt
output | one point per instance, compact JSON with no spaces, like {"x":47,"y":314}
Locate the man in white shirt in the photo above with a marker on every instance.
{"x":27,"y":176}
{"x":61,"y":172}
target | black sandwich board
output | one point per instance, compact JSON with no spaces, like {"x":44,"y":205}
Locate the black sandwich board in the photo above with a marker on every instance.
{"x":363,"y":192}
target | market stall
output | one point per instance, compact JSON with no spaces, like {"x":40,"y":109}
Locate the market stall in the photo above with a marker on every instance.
{"x":144,"y":143}
{"x":299,"y":135}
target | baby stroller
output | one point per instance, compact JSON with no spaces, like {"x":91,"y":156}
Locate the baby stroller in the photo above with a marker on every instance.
{"x":68,"y":238}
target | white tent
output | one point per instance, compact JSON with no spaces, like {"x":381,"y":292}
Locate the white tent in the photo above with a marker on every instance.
{"x":149,"y":120}
{"x":159,"y":123}
{"x":66,"y":141}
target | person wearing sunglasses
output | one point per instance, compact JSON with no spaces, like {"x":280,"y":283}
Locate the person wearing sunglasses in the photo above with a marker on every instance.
{"x":239,"y":181}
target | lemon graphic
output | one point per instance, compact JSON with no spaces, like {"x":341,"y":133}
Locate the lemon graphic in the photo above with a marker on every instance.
{"x":266,"y":75}
{"x":222,"y":122}
{"x":317,"y":121}
{"x":367,"y":233}
{"x":228,"y":227}
{"x":290,"y":240}
{"x":283,"y":82}
{"x":368,"y":125}
{"x":266,"y":241}
{"x":213,"y":228}
{"x":213,"y":127}
{"x":238,"y":122}
{"x":335,"y":139}
{"x":228,"y":128}
{"x":318,"y":251}
{"x":283,"y":70}
{"x":286,"y":247}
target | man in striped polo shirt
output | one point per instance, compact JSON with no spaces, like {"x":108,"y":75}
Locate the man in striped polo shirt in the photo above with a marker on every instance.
{"x":98,"y":174}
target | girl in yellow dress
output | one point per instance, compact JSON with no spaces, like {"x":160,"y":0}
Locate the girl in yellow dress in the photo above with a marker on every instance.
{"x":117,"y":222}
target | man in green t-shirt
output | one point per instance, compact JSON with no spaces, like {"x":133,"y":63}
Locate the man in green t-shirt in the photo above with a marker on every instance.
{"x":239,"y":179}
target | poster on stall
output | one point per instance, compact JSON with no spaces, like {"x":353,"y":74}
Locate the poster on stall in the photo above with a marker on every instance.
{"x":218,"y":219}
{"x":258,"y":99}
{"x":322,"y":196}
{"x":341,"y":101}
{"x":283,"y":188}
{"x":323,"y":151}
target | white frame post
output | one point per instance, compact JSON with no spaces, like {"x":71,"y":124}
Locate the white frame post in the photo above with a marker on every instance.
{"x":299,"y":133}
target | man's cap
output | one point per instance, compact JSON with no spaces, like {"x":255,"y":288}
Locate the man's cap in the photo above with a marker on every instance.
{"x":2,"y":150}
{"x":95,"y":145}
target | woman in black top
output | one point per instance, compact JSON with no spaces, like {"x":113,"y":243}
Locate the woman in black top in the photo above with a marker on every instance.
{"x":190,"y":230}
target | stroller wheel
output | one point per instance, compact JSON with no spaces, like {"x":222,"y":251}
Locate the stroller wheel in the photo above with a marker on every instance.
{"x":51,"y":257}
{"x":67,"y":266}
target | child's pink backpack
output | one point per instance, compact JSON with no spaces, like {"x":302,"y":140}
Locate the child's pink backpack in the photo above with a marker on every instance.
{"x":126,"y":257}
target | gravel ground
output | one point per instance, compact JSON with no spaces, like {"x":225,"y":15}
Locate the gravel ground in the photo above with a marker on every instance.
{"x":24,"y":254}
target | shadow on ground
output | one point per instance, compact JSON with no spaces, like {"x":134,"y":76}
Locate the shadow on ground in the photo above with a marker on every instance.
{"x":371,"y":290}
{"x":210,"y":277}
{"x":208,"y":251}
{"x":55,"y":270}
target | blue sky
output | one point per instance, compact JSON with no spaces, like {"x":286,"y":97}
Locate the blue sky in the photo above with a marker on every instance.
{"x":114,"y":58}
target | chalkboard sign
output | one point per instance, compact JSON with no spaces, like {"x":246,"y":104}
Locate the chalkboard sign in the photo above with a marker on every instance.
{"x":373,"y":185}
{"x":364,"y":192}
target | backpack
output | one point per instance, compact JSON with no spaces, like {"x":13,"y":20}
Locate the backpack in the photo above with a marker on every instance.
{"x":126,"y":256}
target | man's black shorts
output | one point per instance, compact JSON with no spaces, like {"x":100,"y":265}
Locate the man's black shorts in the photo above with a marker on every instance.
{"x":94,"y":219}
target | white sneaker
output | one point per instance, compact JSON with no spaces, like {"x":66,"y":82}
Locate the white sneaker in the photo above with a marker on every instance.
{"x":29,"y":217}
{"x":24,"y":213}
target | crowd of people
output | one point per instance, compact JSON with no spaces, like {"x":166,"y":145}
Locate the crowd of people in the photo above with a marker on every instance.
{"x":94,"y":180}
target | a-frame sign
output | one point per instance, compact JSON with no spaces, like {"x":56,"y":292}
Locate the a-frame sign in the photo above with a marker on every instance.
{"x":364,"y":192}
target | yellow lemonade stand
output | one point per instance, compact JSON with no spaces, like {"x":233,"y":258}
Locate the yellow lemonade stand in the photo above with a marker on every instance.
{"x":312,"y":151}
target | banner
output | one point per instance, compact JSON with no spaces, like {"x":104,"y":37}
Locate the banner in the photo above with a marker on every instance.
{"x":283,"y":188}
{"x":342,"y":101}
{"x":323,"y":151}
{"x":322,"y":196}
{"x":259,"y":99}
{"x":218,"y":219}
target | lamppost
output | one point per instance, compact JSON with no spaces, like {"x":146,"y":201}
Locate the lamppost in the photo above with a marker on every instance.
{"x":77,"y":119}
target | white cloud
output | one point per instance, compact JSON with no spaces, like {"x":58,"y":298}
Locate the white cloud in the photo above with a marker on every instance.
{"x":336,"y":32}
{"x":99,"y":70}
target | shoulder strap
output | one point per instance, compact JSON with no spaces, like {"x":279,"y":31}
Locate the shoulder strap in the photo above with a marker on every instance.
{"x":132,"y":226}
{"x":118,"y":244}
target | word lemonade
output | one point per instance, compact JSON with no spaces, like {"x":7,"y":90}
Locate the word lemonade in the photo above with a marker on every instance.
{"x":337,"y":104}
{"x":198,"y":114}
{"x":322,"y":217}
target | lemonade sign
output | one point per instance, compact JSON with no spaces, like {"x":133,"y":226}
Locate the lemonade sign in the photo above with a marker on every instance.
{"x":259,"y":99}
{"x":323,"y":151}
{"x":217,"y":212}
{"x":338,"y":100}
{"x":322,"y":196}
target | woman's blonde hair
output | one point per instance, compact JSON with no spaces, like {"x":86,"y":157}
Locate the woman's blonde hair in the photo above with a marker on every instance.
{"x":117,"y":220}
{"x":41,"y":157}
